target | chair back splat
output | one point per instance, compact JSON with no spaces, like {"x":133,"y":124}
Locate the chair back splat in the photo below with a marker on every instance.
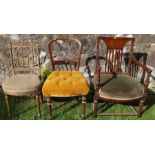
{"x":114,"y":53}
{"x":24,"y":58}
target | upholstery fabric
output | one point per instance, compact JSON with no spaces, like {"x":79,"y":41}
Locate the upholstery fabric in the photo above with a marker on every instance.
{"x":65,"y":83}
{"x":21,"y":83}
{"x":121,"y":87}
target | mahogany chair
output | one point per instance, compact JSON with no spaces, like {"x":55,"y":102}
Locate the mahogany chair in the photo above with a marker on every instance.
{"x":115,"y":81}
{"x":25,"y":77}
{"x":65,"y":80}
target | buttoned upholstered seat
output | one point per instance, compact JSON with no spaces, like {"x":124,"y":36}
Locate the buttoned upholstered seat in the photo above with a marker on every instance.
{"x":65,"y":83}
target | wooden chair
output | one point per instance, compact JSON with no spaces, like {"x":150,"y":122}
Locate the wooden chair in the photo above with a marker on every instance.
{"x":116,"y":82}
{"x":25,"y":79}
{"x":65,"y":79}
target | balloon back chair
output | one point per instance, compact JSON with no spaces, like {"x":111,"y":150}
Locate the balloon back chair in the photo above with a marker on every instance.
{"x":65,"y":79}
{"x":116,"y":81}
{"x":25,"y":74}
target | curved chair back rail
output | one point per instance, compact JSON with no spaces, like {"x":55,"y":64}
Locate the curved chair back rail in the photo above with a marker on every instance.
{"x":65,"y":64}
{"x":25,"y":58}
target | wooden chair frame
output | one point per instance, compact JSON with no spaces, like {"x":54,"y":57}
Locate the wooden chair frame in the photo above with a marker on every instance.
{"x":67,"y":63}
{"x":17,"y":69}
{"x":114,"y":68}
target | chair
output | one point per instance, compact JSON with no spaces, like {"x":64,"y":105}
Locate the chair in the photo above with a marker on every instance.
{"x":65,"y":79}
{"x":25,"y":77}
{"x":117,"y":81}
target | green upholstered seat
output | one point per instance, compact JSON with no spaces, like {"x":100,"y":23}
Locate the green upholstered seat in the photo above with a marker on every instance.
{"x":120,"y":87}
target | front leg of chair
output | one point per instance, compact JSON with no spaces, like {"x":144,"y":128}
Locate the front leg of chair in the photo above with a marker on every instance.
{"x":83,"y":106}
{"x":49,"y":104}
{"x":8,"y":105}
{"x":141,"y":105}
{"x":95,"y":107}
{"x":38,"y":104}
{"x":41,"y":97}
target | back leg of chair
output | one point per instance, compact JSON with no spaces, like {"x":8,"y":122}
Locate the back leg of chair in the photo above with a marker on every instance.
{"x":16,"y":99}
{"x":49,"y":104}
{"x":95,"y":107}
{"x":83,"y":106}
{"x":141,"y":105}
{"x":8,"y":105}
{"x":41,"y":97}
{"x":38,"y":104}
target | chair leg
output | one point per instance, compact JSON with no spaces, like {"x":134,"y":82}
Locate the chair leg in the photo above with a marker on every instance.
{"x":49,"y":107}
{"x":141,"y":104}
{"x":16,"y":99}
{"x":41,"y":97}
{"x":83,"y":106}
{"x":8,"y":105}
{"x":38,"y":104}
{"x":95,"y":107}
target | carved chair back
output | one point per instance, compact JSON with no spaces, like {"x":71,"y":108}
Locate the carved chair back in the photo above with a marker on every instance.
{"x":65,"y":53}
{"x":114,"y":53}
{"x":25,"y":58}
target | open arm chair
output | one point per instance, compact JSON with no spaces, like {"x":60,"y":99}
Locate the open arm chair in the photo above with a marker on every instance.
{"x":25,"y":77}
{"x":115,"y":81}
{"x":65,"y":80}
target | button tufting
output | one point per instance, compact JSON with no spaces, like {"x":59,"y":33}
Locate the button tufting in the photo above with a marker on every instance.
{"x":65,"y":83}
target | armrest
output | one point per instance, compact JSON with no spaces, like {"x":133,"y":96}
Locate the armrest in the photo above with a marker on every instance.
{"x":147,"y":70}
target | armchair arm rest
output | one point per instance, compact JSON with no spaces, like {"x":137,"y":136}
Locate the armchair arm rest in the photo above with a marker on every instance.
{"x":135,"y":61}
{"x":147,"y":70}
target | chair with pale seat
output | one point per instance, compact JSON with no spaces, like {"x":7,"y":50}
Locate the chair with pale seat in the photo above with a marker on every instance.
{"x":65,"y":80}
{"x":25,"y":79}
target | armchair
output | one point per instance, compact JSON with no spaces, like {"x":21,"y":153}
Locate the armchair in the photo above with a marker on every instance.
{"x":117,"y":83}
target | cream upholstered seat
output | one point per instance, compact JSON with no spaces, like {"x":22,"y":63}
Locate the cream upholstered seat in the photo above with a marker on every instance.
{"x":21,"y":84}
{"x":65,"y":83}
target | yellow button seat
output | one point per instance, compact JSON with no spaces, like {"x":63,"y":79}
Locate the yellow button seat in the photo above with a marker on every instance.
{"x":65,"y":84}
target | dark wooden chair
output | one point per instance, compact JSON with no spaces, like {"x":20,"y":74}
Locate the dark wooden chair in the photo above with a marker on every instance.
{"x":25,"y":78}
{"x":65,"y":79}
{"x":115,"y":80}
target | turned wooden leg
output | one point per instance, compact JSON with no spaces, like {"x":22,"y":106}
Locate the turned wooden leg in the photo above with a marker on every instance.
{"x":95,"y":107}
{"x":41,"y":97}
{"x":83,"y":106}
{"x":16,"y":99}
{"x":141,"y":104}
{"x":49,"y":104}
{"x":8,"y":105}
{"x":38,"y":104}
